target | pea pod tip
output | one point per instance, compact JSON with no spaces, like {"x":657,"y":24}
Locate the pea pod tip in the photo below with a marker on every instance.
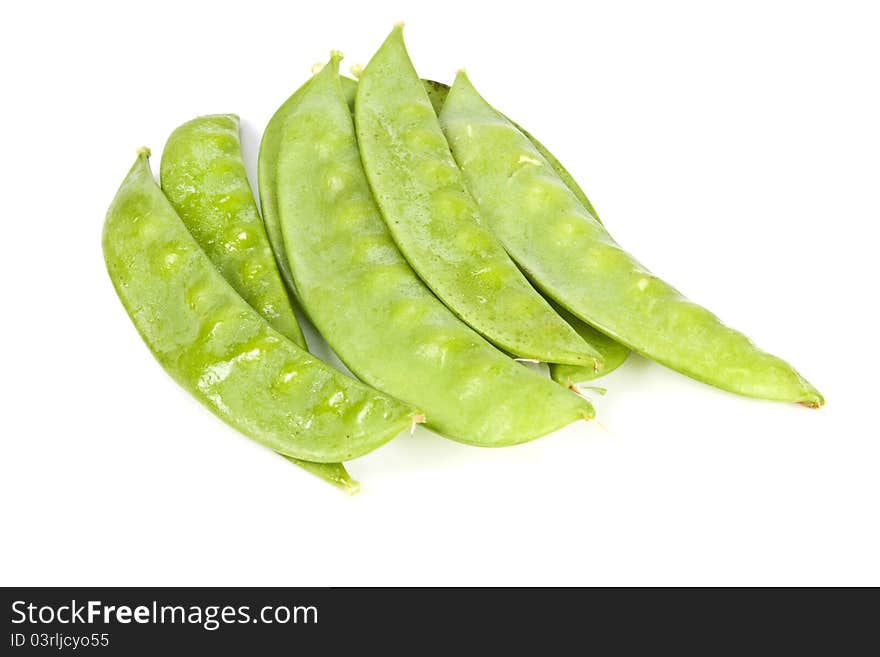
{"x":143,"y":151}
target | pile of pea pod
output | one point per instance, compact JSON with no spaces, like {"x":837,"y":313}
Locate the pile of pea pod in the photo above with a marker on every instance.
{"x":432,"y":242}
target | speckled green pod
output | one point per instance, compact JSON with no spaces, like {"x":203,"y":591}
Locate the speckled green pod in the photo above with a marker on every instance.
{"x":203,"y":175}
{"x":372,"y":308}
{"x":219,"y":349}
{"x":572,"y":258}
{"x":436,"y":223}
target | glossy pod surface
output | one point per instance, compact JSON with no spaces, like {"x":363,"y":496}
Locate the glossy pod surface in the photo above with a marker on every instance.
{"x":203,"y":176}
{"x":571,"y":257}
{"x":374,"y":310}
{"x":220,"y":350}
{"x":435,"y":222}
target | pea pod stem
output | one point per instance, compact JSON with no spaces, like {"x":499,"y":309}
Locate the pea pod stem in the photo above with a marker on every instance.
{"x":202,"y":173}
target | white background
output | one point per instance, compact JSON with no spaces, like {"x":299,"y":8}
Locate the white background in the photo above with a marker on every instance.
{"x":733,"y":147}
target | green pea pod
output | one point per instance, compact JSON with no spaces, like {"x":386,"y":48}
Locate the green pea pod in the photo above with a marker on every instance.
{"x":567,"y":253}
{"x":374,"y":311}
{"x":437,"y":225}
{"x":203,"y":175}
{"x":220,"y":350}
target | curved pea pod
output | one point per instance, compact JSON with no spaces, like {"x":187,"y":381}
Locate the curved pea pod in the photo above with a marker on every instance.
{"x":435,"y":222}
{"x":203,"y":176}
{"x":374,"y":311}
{"x":567,"y":253}
{"x":202,"y":173}
{"x":220,"y":350}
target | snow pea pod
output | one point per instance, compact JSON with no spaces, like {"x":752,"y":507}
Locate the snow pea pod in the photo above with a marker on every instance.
{"x":220,"y":350}
{"x":374,"y":311}
{"x":567,"y":253}
{"x":203,"y":176}
{"x":435,"y":222}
